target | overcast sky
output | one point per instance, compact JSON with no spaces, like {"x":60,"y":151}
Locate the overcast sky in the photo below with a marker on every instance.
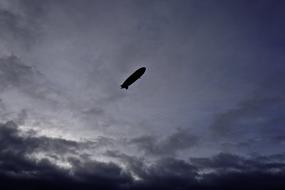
{"x":208,"y":112}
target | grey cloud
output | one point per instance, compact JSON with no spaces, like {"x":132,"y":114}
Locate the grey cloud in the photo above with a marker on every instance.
{"x":19,"y":31}
{"x":12,"y":26}
{"x":178,"y":141}
{"x":224,"y":162}
{"x":15,"y":74}
{"x":235,"y":172}
{"x":251,"y":114}
{"x":133,"y":163}
{"x":280,"y":139}
{"x":271,"y":158}
{"x":12,"y":141}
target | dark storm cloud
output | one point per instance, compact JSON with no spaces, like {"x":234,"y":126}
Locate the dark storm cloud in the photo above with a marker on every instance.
{"x":17,"y":166}
{"x":220,"y":171}
{"x":168,"y":174}
{"x":12,"y":141}
{"x":99,"y":173}
{"x":178,"y":141}
{"x":165,"y":173}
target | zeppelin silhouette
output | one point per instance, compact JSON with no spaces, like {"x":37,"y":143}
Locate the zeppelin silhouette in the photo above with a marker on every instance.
{"x":135,"y":76}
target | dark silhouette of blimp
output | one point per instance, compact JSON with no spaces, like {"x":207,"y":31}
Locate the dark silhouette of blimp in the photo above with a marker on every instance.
{"x":133,"y":77}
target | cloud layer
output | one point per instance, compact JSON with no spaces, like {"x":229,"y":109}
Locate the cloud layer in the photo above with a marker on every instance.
{"x":208,"y":113}
{"x":21,"y":168}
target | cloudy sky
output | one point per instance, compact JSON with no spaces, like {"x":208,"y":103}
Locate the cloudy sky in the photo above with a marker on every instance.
{"x":209,"y":112}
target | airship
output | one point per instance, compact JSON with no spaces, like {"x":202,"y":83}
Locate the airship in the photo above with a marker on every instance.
{"x":133,"y":77}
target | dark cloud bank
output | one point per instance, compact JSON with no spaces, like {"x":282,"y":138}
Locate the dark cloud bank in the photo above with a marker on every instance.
{"x":222,"y":171}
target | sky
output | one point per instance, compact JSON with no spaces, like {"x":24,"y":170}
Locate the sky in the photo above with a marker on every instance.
{"x":208,"y":113}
